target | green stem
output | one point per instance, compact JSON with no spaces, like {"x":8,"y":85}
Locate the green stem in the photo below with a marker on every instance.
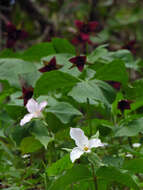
{"x":130,"y":141}
{"x":88,"y":117}
{"x":94,"y":177}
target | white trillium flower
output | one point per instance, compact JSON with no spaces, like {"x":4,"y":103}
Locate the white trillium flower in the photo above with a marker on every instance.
{"x":136,"y":145}
{"x":83,"y":144}
{"x":34,"y":109}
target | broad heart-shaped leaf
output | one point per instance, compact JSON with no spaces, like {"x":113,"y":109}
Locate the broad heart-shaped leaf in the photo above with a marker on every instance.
{"x":40,"y":132}
{"x":52,"y":81}
{"x":134,"y":165}
{"x":94,"y":90}
{"x":30,"y":144}
{"x":63,"y":46}
{"x":59,"y":166}
{"x":130,"y":129}
{"x":11,"y":68}
{"x":114,"y":71}
{"x":113,"y":174}
{"x":64,"y":111}
{"x":76,"y":174}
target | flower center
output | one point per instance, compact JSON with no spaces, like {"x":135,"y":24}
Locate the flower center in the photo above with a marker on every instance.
{"x":38,"y":113}
{"x":86,"y":148}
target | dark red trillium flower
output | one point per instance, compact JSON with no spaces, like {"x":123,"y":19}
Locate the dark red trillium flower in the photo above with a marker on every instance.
{"x":27,"y":93}
{"x":86,"y":28}
{"x":124,"y":105}
{"x":81,"y":39}
{"x":114,"y":84}
{"x":131,"y":46}
{"x":79,"y":62}
{"x":49,"y":66}
{"x":14,"y":34}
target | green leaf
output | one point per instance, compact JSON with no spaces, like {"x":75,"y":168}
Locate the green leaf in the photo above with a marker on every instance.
{"x":64,"y":111}
{"x":59,"y":166}
{"x":19,"y":133}
{"x":135,"y":165}
{"x":115,"y":71}
{"x":63,"y":46}
{"x":8,"y":53}
{"x":94,"y":90}
{"x":135,"y":91}
{"x":130,"y":129}
{"x":102,"y":184}
{"x":112,"y":174}
{"x":98,"y":54}
{"x":29,"y":145}
{"x":126,"y":56}
{"x":12,"y":68}
{"x":41,"y":133}
{"x":15,"y":112}
{"x":76,"y":174}
{"x":53,"y":80}
{"x":36,"y":52}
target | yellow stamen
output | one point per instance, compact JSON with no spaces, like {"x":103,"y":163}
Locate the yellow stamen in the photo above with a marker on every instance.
{"x":86,"y":148}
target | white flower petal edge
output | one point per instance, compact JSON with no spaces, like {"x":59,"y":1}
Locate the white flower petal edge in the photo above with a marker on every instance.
{"x":78,"y":136}
{"x":136,"y":145}
{"x":75,"y":154}
{"x":42,"y":105}
{"x":94,"y":143}
{"x":32,"y":106}
{"x":83,"y":144}
{"x":26,"y":119}
{"x":34,"y":109}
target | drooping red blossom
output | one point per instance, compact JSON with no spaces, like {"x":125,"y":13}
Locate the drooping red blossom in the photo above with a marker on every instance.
{"x":50,"y":66}
{"x":81,"y":39}
{"x":114,"y":84}
{"x":27,"y":93}
{"x":86,"y":28}
{"x":124,"y":105}
{"x":14,"y":34}
{"x":79,"y":62}
{"x":131,"y":46}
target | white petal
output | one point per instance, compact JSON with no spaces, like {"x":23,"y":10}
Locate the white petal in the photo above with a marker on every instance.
{"x":32,"y":106}
{"x":42,"y":105}
{"x":80,"y":139}
{"x":95,"y":143}
{"x":75,"y":153}
{"x":26,"y":119}
{"x":136,"y":145}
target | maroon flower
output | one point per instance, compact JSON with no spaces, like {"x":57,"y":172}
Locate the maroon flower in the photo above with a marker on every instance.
{"x":114,"y":84}
{"x":27,"y":93}
{"x":81,"y":39}
{"x":14,"y":34}
{"x":124,"y":105}
{"x":86,"y":28}
{"x":49,"y":66}
{"x":79,"y":62}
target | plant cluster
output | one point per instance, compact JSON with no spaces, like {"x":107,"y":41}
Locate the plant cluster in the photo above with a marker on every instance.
{"x":43,"y":109}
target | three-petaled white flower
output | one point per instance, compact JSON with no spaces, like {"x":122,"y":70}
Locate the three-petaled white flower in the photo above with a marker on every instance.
{"x":34,"y":109}
{"x":83,"y":144}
